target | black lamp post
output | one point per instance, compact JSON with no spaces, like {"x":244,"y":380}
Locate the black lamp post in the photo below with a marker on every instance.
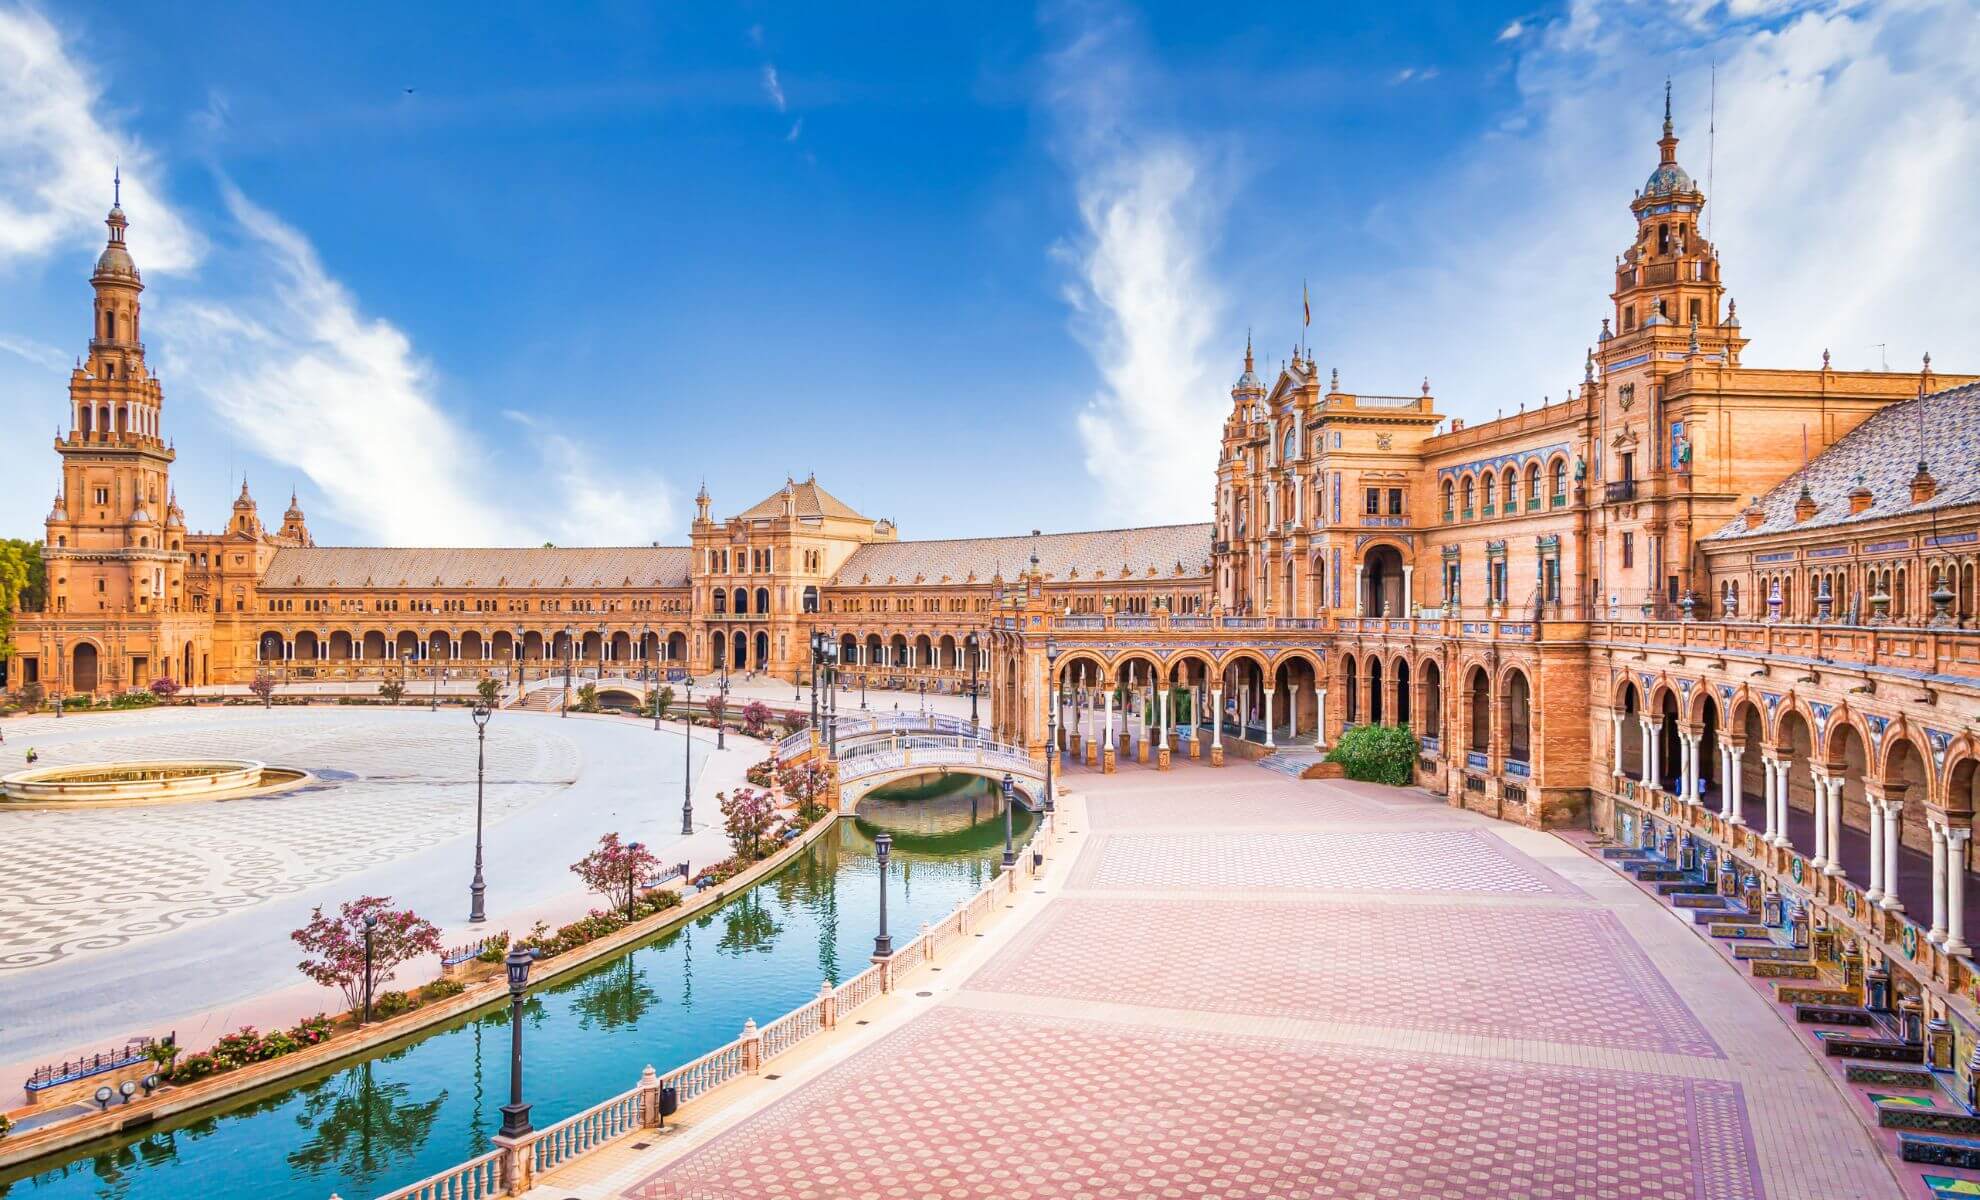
{"x":687,"y":763}
{"x":436,"y":682}
{"x":922,"y":686}
{"x":1010,"y":788}
{"x":570,"y":647}
{"x":724,"y":710}
{"x":632,"y":855}
{"x":370,"y":924}
{"x":479,"y":886}
{"x":817,"y":653}
{"x":883,"y":847}
{"x":1051,"y":715}
{"x":832,"y":701}
{"x":862,"y":689}
{"x":971,"y":643}
{"x":515,"y":1114}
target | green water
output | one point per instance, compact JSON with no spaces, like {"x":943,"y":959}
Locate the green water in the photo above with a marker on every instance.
{"x":433,"y":1101}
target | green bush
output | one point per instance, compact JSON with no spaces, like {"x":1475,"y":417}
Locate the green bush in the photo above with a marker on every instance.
{"x":440,"y":989}
{"x":1377,"y":753}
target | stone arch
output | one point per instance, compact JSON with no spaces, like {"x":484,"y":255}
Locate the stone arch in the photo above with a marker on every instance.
{"x":1906,"y":778}
{"x":677,"y":647}
{"x":1628,"y":704}
{"x":1516,"y":713}
{"x":1477,"y":711}
{"x":270,"y":647}
{"x":1350,"y":689}
{"x":1429,"y":680}
{"x":341,"y":645}
{"x":718,"y":643}
{"x":1380,"y":578}
{"x":306,"y":645}
{"x":1378,"y":708}
{"x":85,"y":666}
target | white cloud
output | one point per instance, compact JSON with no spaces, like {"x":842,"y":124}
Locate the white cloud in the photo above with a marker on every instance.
{"x":772,"y":87}
{"x":1145,"y":302}
{"x":1416,"y":74}
{"x":39,"y":354}
{"x":594,"y":505}
{"x":1848,"y":149}
{"x":1512,"y":30}
{"x":797,"y":128}
{"x":57,"y":157}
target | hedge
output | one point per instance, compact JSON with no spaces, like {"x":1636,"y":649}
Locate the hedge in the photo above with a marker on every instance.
{"x":1377,"y":753}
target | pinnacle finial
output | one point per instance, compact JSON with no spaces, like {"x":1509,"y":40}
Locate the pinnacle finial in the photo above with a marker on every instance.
{"x":1667,"y":105}
{"x":117,"y":186}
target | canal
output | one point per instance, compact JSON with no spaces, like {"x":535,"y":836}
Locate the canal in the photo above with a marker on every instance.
{"x":372,"y":1125}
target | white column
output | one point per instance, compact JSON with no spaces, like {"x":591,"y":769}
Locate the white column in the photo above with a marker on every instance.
{"x":1893,"y":829}
{"x":1319,"y":716}
{"x":1938,"y":931}
{"x":1834,"y":840}
{"x":1955,"y":942}
{"x":1783,"y":788}
{"x":1617,"y":757}
{"x":1162,"y":714}
{"x":1217,"y":718}
{"x":1688,"y":768}
{"x":1819,"y":796}
{"x":1268,"y":716}
{"x":1109,"y":743}
{"x":1767,"y":799}
{"x":1360,"y":608}
{"x":1653,"y":767}
{"x":1875,"y":891}
{"x":1409,"y":591}
{"x":1292,"y":710}
{"x":1646,"y":773}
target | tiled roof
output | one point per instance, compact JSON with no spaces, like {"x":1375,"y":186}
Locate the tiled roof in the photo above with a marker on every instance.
{"x":1884,"y":451}
{"x":414,"y":567}
{"x":810,"y":501}
{"x":1100,"y":553}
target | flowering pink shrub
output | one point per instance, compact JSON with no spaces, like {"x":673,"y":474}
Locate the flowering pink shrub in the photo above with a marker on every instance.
{"x":335,"y":945}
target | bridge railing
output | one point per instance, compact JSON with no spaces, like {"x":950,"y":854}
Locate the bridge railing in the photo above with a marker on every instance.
{"x":508,"y":1171}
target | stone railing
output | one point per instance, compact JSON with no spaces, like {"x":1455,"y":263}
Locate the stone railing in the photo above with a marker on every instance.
{"x":1931,"y":650}
{"x":511,"y":1170}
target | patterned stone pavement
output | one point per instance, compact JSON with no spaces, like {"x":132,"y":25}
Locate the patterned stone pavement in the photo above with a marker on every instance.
{"x":1305,"y":994}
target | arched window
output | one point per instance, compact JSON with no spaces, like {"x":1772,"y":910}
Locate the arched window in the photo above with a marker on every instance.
{"x":1449,"y":496}
{"x":1491,"y":490}
{"x":1291,"y":450}
{"x":763,"y":600}
{"x":721,"y":601}
{"x":1533,"y":483}
{"x":1469,"y":489}
{"x":742,"y":601}
{"x":1512,"y":488}
{"x":109,"y":326}
{"x":811,"y":599}
{"x":1560,"y":478}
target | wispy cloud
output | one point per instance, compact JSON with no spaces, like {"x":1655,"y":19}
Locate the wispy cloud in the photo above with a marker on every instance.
{"x":35,"y":352}
{"x":1848,"y":146}
{"x":1414,"y":75}
{"x":594,"y":504}
{"x":1144,"y":299}
{"x":773,"y":88}
{"x":1514,"y":28}
{"x":57,"y":156}
{"x":797,"y":129}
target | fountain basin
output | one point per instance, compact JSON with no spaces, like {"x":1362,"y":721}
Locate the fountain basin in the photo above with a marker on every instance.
{"x":144,"y":781}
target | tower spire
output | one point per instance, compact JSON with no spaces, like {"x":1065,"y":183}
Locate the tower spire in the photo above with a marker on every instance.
{"x":117,"y":186}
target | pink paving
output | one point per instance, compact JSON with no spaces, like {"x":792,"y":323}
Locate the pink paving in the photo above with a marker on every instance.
{"x":1567,"y":975}
{"x":1283,"y":807}
{"x":1415,"y":860}
{"x":965,"y":1103}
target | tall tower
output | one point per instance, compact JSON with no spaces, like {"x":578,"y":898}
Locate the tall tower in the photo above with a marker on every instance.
{"x":1669,"y":277}
{"x":111,"y":543}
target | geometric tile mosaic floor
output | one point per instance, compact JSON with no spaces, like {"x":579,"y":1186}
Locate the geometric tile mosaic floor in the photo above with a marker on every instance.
{"x":1242,"y":992}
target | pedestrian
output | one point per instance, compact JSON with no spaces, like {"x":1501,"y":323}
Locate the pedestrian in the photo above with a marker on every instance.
{"x":32,"y":756}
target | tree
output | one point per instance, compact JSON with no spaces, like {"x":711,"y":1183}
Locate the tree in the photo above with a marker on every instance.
{"x":805,"y":783}
{"x":263,"y":686}
{"x":746,"y":815}
{"x":335,"y":945}
{"x":755,"y":716}
{"x":587,"y":698}
{"x":665,"y":699}
{"x":164,"y":687}
{"x":23,"y":583}
{"x":615,"y":869}
{"x":393,"y":691}
{"x":490,"y":690}
{"x":715,"y":706}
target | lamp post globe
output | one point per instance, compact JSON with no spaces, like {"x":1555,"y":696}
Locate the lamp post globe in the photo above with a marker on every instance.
{"x":478,"y":888}
{"x":1010,"y":791}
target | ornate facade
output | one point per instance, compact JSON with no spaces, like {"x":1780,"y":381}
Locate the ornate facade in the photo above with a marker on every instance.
{"x":1692,"y":595}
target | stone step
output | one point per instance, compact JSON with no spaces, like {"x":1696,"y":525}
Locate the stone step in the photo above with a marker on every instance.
{"x":1944,"y":1122}
{"x":1873,"y":1049}
{"x":1680,"y":893}
{"x":1737,"y":930}
{"x":1834,"y":1014}
{"x":1939,"y":1151}
{"x":1661,"y":875}
{"x":1774,"y":952}
{"x":1769,"y":969}
{"x":1619,"y":853}
{"x":1731,"y":916}
{"x":1889,"y":1076}
{"x":1832,"y":996}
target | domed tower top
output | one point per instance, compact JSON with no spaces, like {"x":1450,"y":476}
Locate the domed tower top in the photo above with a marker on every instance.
{"x":1669,"y":277}
{"x":1669,"y":179}
{"x":247,"y":517}
{"x":1248,"y":384}
{"x":293,"y":527}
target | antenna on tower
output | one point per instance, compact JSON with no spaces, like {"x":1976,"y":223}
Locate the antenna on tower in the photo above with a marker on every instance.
{"x":1712,"y":151}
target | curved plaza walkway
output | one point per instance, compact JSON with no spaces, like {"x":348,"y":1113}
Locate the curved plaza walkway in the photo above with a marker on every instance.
{"x":1248,"y":986}
{"x":124,"y":921}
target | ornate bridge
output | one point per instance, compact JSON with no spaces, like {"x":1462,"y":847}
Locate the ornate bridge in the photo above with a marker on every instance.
{"x":878,"y":761}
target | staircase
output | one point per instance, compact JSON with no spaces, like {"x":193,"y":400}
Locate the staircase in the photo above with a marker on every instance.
{"x":543,"y":699}
{"x":1292,"y":761}
{"x":1881,"y":1062}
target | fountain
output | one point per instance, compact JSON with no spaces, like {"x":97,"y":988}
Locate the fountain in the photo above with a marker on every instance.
{"x":146,"y":781}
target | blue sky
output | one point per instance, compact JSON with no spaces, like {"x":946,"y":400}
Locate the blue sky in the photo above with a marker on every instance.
{"x":982,"y":268}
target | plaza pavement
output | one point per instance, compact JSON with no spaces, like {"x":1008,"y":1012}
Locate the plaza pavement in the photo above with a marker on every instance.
{"x":143,"y":920}
{"x":1249,"y":986}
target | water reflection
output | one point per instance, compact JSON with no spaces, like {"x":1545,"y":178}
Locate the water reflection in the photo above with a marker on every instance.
{"x":431,"y":1103}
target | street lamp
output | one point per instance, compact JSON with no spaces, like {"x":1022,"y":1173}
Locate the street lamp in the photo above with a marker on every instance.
{"x":883,"y":846}
{"x":862,"y":690}
{"x":724,"y":707}
{"x":515,"y":1114}
{"x":1051,"y":715}
{"x":687,"y":763}
{"x":370,"y":924}
{"x":971,"y":643}
{"x":570,"y":644}
{"x":436,"y":682}
{"x":923,"y":686}
{"x":479,"y":886}
{"x":1010,"y":787}
{"x":632,"y":855}
{"x":817,"y":653}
